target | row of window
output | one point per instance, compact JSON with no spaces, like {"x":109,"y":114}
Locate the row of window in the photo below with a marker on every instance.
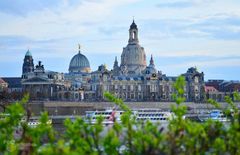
{"x":146,"y":118}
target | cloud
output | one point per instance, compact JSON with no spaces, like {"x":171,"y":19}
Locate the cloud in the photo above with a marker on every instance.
{"x":180,"y":4}
{"x":213,"y":67}
{"x":212,"y":63}
{"x":60,"y":20}
{"x":24,"y":7}
{"x":112,"y":30}
{"x":218,"y":26}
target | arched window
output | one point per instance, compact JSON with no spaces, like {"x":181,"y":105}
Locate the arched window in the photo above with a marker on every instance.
{"x":134,"y":34}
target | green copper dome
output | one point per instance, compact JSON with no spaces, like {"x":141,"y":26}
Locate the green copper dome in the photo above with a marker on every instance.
{"x":28,"y":53}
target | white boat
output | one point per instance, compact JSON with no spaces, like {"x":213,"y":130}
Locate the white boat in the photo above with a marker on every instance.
{"x":153,"y":115}
{"x":110,"y":116}
{"x":34,"y":121}
{"x":215,"y":115}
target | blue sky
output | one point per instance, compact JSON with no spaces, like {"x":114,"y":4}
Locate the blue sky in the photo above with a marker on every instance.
{"x":178,"y":33}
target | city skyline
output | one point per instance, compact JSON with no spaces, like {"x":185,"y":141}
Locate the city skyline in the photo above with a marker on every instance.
{"x":205,"y":34}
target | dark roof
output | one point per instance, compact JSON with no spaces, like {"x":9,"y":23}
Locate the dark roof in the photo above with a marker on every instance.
{"x":36,"y":79}
{"x":133,"y":25}
{"x":13,"y":82}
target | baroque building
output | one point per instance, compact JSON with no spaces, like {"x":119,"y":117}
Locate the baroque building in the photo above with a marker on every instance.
{"x":79,"y":76}
{"x":132,"y":80}
{"x":39,"y":83}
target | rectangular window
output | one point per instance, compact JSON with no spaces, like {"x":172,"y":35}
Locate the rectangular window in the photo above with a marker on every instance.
{"x":131,"y":87}
{"x":105,"y":88}
{"x":139,"y":87}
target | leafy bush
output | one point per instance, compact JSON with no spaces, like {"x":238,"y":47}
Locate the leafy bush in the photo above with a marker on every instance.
{"x":131,"y":137}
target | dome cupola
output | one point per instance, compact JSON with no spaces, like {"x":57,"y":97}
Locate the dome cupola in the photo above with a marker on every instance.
{"x":79,"y":64}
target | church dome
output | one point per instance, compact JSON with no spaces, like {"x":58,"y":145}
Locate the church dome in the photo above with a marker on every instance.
{"x":133,"y":58}
{"x":133,"y":55}
{"x":79,"y":63}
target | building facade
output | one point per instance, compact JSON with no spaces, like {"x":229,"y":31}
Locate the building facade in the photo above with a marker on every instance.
{"x":42,"y":84}
{"x":133,"y":79}
{"x":221,"y":89}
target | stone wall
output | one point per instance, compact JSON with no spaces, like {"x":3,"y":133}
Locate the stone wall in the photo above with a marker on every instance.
{"x":79,"y":108}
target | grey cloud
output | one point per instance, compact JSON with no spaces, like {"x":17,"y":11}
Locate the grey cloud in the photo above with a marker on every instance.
{"x":181,"y":4}
{"x":112,"y":29}
{"x":24,"y":7}
{"x":221,"y":27}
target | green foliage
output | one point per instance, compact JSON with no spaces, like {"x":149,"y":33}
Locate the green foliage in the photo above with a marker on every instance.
{"x":129,"y":137}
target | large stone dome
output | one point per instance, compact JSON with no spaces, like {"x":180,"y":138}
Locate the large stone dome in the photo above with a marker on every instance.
{"x":79,"y":64}
{"x":133,"y":58}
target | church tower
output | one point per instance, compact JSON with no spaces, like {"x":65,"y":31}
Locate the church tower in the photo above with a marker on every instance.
{"x":133,"y":34}
{"x":116,"y":68}
{"x":28,"y":65}
{"x":152,"y":62}
{"x":133,"y":58}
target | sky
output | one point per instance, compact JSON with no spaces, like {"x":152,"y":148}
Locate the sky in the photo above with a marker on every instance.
{"x":178,"y":33}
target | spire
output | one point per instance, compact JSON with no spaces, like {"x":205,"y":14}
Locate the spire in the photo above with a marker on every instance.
{"x":115,"y":63}
{"x":133,"y":25}
{"x":28,"y":53}
{"x":79,"y":48}
{"x":151,"y":61}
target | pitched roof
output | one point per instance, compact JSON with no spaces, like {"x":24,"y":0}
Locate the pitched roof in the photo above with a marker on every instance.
{"x":210,"y":89}
{"x":13,"y":82}
{"x":36,"y":79}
